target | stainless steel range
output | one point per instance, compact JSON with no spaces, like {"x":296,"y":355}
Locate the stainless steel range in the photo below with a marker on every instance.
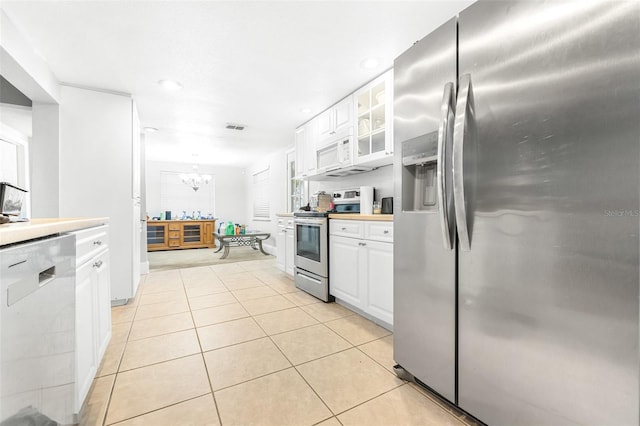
{"x":311,"y":236}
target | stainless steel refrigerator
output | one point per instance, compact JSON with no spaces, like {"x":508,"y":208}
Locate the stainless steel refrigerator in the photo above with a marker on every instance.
{"x":517,"y":170}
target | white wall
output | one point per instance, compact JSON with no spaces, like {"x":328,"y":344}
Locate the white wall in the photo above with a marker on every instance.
{"x":381,"y":179}
{"x":277,"y":164}
{"x":230,"y":189}
{"x":28,"y":72}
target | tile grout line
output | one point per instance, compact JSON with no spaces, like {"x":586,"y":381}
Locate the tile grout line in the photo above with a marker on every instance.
{"x":296,"y":370}
{"x":124,"y":348}
{"x":206,"y":369}
{"x":157,"y":409}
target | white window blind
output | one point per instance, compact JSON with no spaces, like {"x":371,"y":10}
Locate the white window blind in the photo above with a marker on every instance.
{"x":261,"y":195}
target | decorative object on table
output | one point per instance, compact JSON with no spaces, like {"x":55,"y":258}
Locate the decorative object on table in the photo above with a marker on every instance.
{"x":194,"y":179}
{"x":167,"y":215}
{"x":230,"y":229}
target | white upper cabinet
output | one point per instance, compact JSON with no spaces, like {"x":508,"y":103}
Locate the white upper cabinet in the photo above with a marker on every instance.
{"x":305,"y":142}
{"x":374,"y":132}
{"x":336,"y":119}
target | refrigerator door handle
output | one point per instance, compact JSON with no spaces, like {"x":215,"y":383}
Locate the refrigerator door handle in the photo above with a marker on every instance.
{"x":445,"y":133}
{"x":463,"y":129}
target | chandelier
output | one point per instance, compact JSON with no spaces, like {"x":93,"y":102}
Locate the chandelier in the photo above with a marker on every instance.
{"x":194,"y":179}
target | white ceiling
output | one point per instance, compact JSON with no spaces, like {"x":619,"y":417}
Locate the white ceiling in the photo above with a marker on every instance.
{"x":255,"y":63}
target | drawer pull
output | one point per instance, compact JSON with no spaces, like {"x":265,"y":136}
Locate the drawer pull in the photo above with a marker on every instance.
{"x":344,"y":229}
{"x":386,"y":231}
{"x":362,"y":244}
{"x":97,"y":243}
{"x":97,"y":264}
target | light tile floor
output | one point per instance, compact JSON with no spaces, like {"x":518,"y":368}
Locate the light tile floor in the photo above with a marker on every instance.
{"x":238,"y":344}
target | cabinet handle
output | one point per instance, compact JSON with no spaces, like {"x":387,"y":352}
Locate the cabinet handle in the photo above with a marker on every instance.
{"x":97,"y":243}
{"x":386,"y":231}
{"x":344,"y":229}
{"x":362,"y":244}
{"x":97,"y":264}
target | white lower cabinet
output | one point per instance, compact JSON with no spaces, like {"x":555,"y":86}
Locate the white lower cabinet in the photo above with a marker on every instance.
{"x":289,"y":250}
{"x":285,"y":245}
{"x":379,"y":275}
{"x":93,"y":307}
{"x":345,"y":270}
{"x":361,"y":266}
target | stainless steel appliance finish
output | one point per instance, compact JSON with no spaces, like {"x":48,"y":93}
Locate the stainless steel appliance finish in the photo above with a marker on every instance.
{"x":37,"y":331}
{"x":311,"y":237}
{"x":545,"y":171}
{"x":424,"y":270}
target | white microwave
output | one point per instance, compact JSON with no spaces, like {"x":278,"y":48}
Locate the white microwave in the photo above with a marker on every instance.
{"x":335,"y":154}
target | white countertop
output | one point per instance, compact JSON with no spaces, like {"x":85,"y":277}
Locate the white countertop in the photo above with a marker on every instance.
{"x":36,"y":228}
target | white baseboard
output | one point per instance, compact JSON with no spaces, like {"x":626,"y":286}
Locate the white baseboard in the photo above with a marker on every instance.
{"x":144,"y":268}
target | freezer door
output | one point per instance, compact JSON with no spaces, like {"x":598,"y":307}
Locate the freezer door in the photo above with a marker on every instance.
{"x":548,"y":293}
{"x":424,"y":270}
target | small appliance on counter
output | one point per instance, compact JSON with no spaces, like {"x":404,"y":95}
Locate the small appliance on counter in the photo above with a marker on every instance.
{"x":346,"y":201}
{"x":387,"y":205}
{"x":320,"y":202}
{"x":11,"y":199}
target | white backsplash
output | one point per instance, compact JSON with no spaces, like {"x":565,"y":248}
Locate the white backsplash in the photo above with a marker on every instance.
{"x":381,"y":179}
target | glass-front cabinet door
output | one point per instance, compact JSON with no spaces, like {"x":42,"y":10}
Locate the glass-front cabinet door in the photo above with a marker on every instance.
{"x":373,"y":109}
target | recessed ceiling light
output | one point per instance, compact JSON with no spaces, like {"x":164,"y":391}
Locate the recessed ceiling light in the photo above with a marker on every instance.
{"x":370,"y":63}
{"x":305,"y":110}
{"x":150,"y":129}
{"x":170,"y":84}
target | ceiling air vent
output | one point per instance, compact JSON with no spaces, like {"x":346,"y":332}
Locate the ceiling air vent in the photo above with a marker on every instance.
{"x":234,"y":126}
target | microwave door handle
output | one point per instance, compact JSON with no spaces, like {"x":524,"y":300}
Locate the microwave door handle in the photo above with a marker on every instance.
{"x":464,"y":132}
{"x":445,"y":136}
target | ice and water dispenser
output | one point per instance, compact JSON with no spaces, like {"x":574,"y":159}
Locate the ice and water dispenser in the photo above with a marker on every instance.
{"x":419,"y":172}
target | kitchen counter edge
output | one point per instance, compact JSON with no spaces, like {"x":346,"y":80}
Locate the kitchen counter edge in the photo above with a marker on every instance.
{"x":11,"y":233}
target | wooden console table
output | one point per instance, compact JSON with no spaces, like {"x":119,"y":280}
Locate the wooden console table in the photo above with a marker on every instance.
{"x":253,"y":240}
{"x":180,"y":234}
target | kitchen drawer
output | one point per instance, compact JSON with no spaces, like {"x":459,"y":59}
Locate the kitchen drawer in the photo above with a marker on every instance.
{"x":89,"y":242}
{"x":290,"y":224}
{"x":174,"y":227}
{"x":379,"y":231}
{"x":174,"y":234}
{"x":174,"y":243}
{"x":346,"y":228}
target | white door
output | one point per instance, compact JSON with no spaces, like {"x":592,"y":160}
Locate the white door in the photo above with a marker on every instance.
{"x":281,"y":251}
{"x":102,"y":281}
{"x":137,"y":241}
{"x":380,"y":278}
{"x":344,"y":274}
{"x":289,"y":251}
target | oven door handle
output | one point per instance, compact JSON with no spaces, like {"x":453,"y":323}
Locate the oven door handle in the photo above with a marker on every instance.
{"x":319,"y":222}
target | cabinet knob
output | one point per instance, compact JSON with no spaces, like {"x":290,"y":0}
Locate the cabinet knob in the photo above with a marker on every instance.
{"x":97,"y":264}
{"x":362,"y":244}
{"x":386,"y":231}
{"x":97,"y":243}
